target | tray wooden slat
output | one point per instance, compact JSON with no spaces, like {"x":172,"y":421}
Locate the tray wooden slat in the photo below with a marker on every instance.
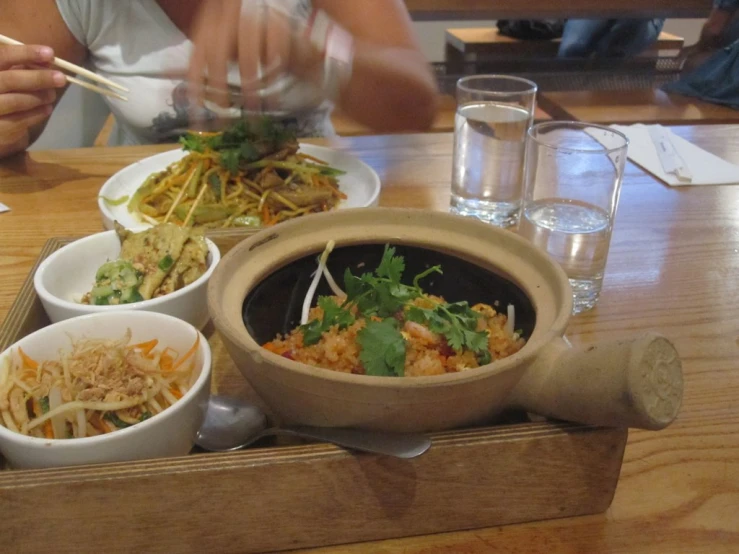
{"x":300,"y":495}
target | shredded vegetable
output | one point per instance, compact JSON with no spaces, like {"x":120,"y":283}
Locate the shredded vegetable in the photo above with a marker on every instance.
{"x":250,"y":175}
{"x":96,"y":387}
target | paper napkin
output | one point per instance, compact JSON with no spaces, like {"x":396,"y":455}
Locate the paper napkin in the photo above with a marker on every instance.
{"x":705,"y":168}
{"x":3,"y":208}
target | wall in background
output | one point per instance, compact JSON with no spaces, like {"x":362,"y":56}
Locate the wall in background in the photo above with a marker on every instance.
{"x":81,"y":114}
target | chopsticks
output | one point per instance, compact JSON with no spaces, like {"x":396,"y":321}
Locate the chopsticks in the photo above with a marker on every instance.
{"x":62,"y":64}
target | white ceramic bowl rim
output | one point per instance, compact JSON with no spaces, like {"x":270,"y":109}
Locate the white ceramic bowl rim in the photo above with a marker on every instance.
{"x":213,"y":250}
{"x":118,"y":434}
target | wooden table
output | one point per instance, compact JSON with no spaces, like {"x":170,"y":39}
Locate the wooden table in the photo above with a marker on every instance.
{"x":633,"y":106}
{"x":443,"y":10}
{"x":673,"y":269}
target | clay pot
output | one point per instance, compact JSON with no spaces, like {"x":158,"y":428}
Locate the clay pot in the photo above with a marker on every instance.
{"x":258,"y":288}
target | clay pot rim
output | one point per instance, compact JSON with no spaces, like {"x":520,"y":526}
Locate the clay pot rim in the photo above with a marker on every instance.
{"x":236,"y":332}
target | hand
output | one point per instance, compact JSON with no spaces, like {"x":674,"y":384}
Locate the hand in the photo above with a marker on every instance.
{"x":28,"y":91}
{"x":264,"y":40}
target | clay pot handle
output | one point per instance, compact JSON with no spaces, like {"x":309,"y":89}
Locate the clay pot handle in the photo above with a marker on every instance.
{"x":626,"y":383}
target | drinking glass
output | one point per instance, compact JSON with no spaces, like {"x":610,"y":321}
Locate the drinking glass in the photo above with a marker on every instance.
{"x":573,"y":181}
{"x":494,"y":112}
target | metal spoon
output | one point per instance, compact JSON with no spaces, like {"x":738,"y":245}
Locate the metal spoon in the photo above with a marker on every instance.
{"x":232,"y":423}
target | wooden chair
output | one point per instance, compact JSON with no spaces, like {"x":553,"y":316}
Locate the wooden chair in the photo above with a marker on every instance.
{"x":105,"y":130}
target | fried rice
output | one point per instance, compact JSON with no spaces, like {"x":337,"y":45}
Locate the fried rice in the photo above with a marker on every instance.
{"x":427,"y":353}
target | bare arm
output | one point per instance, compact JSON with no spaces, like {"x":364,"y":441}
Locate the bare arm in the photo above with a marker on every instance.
{"x":392,"y":85}
{"x":27,"y":95}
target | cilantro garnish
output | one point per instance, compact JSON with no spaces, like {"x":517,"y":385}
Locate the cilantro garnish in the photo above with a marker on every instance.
{"x":242,"y":143}
{"x":333,"y":314}
{"x":383,"y":294}
{"x":457,"y":322}
{"x":383,"y":348}
{"x":44,"y":402}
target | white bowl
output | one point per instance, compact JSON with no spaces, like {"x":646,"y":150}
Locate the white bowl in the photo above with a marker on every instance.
{"x":169,"y":433}
{"x":69,"y":273}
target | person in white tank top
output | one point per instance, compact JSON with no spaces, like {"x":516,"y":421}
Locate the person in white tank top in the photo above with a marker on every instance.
{"x":291,"y":59}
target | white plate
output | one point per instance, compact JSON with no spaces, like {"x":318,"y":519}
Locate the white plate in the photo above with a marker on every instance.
{"x":361,"y":184}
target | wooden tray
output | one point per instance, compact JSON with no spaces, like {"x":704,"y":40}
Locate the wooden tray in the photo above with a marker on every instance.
{"x":282,"y":496}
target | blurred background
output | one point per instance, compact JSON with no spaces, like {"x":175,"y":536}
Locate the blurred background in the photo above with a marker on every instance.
{"x":81,"y":115}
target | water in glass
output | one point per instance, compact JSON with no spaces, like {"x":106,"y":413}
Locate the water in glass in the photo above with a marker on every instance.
{"x":490,"y":143}
{"x":576,"y":235}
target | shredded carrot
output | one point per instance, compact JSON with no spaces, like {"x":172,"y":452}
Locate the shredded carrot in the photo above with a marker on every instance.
{"x":271,"y":347}
{"x":166,"y":361}
{"x":175,"y":392}
{"x":48,"y":430}
{"x":188,"y":354}
{"x":27,"y":362}
{"x":145,"y":347}
{"x":267,"y":219}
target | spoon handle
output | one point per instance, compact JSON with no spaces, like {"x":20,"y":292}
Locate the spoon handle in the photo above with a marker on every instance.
{"x":398,"y":445}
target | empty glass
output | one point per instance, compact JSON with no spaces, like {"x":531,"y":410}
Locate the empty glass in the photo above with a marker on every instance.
{"x":573,"y":181}
{"x":494,"y":112}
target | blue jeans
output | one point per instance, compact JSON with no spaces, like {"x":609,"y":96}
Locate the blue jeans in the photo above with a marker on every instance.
{"x":608,"y":38}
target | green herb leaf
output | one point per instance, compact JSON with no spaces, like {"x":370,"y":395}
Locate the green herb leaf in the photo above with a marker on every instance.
{"x":457,"y":322}
{"x":333,"y":314}
{"x":44,"y":401}
{"x":165,"y":264}
{"x":146,"y":415}
{"x":248,"y":152}
{"x":383,"y":348}
{"x":391,"y":266}
{"x":312,"y":332}
{"x":230,"y":160}
{"x":192,"y":143}
{"x":242,"y":143}
{"x":484,"y":357}
{"x":382,"y":294}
